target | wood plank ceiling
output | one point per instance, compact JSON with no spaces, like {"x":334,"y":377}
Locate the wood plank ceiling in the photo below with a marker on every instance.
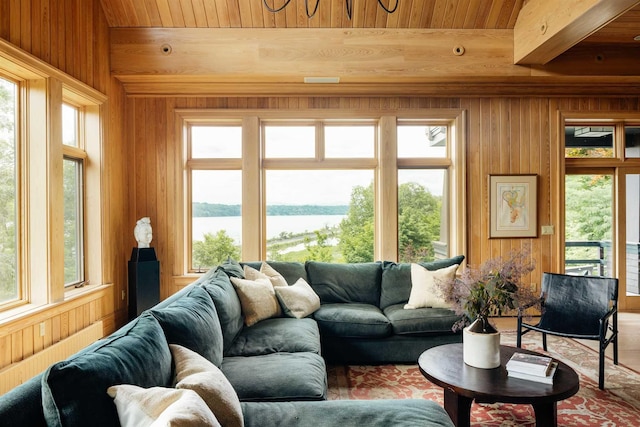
{"x":469,"y":14}
{"x":434,"y":14}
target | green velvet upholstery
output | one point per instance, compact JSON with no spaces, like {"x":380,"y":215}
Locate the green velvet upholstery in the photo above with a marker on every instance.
{"x":277,"y":376}
{"x":396,"y":279}
{"x":192,"y":322}
{"x":74,"y":391}
{"x":346,"y":413}
{"x":333,"y":282}
{"x":420,"y":321}
{"x":352,"y":320}
{"x":233,"y":268}
{"x":281,"y":334}
{"x":217,"y":284}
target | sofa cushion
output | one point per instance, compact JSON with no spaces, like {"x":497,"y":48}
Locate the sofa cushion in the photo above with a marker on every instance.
{"x":160,"y":406}
{"x":232,"y":268}
{"x":218,"y":285}
{"x":421,"y":321}
{"x":194,"y":372}
{"x":192,"y":322}
{"x":257,"y":299}
{"x":277,"y":376}
{"x":424,"y":286}
{"x":357,"y":282}
{"x":281,"y":334}
{"x":396,"y":279}
{"x":347,"y":413}
{"x":298,"y":300}
{"x":74,"y":391}
{"x":352,"y":320}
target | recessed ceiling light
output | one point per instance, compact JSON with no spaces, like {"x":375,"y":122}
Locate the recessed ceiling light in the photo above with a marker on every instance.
{"x":637,"y":38}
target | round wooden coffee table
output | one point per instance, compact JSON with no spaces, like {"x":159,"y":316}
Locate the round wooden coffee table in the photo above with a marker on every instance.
{"x":443,"y":365}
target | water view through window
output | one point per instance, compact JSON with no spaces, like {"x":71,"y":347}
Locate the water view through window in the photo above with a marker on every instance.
{"x":314,"y":210}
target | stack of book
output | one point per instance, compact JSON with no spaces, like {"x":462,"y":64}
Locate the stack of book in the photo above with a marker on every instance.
{"x":532,"y":367}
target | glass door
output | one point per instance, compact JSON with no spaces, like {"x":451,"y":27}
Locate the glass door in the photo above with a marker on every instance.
{"x":630,"y":248}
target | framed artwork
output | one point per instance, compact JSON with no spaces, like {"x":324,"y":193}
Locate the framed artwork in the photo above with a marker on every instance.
{"x":513,"y":208}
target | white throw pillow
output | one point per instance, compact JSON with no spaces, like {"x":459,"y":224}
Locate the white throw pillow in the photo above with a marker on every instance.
{"x":196,"y":373}
{"x":298,"y":300}
{"x":159,"y":406}
{"x":276,"y":278}
{"x":257,"y":299}
{"x":423,"y":286}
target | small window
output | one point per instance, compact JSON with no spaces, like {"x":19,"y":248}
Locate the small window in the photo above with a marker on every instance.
{"x":216,"y":142}
{"x":587,"y":141}
{"x":9,"y":225}
{"x":69,"y":125}
{"x":632,"y":142}
{"x":349,"y":141}
{"x":421,"y":141}
{"x":289,"y":141}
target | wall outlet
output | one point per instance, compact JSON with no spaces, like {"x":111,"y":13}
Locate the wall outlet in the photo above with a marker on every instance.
{"x":547,"y":230}
{"x":42,"y":329}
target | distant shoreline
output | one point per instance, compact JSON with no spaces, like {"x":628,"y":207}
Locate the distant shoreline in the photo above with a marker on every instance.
{"x":204,"y":210}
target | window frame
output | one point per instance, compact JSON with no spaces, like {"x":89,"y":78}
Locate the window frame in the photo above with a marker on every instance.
{"x":43,"y":89}
{"x":385,"y":166}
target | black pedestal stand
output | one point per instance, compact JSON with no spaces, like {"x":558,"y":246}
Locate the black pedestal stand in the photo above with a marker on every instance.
{"x":144,"y":280}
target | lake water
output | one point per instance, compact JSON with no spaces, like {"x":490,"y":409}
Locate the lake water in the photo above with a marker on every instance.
{"x":275,"y":224}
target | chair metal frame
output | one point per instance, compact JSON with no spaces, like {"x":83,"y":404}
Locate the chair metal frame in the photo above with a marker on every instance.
{"x":607,"y":327}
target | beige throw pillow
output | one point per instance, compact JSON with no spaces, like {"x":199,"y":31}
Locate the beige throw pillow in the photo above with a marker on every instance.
{"x":194,"y":372}
{"x":158,"y":406}
{"x":275,"y":277}
{"x":298,"y":300}
{"x":251,"y":273}
{"x":257,"y":299}
{"x":424,"y":292}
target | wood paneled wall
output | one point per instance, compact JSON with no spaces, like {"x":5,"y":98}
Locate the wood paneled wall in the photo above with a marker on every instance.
{"x":72,"y":35}
{"x":506,"y":135}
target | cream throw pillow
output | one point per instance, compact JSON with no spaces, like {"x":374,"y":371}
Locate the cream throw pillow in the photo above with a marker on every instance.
{"x":257,"y":299}
{"x":424,"y":292}
{"x":159,"y":406}
{"x":276,"y":278}
{"x":298,"y":300}
{"x":196,"y":373}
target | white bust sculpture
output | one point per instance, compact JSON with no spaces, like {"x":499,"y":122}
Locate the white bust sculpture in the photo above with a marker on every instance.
{"x":143,"y":232}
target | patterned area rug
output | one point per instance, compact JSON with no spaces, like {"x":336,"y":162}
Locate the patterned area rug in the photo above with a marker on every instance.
{"x":617,"y":405}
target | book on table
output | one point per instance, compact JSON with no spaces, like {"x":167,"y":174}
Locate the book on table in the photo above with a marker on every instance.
{"x":532,"y":364}
{"x":546,"y":379}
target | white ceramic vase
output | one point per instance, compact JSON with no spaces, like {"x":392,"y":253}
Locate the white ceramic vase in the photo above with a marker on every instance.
{"x":481,"y":348}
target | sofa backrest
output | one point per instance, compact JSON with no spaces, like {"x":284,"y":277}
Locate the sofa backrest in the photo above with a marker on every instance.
{"x":192,"y":322}
{"x":74,"y":391}
{"x":396,"y":279}
{"x":344,"y":283}
{"x":217,"y":283}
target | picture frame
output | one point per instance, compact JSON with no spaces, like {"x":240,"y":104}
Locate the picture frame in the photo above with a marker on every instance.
{"x":513,"y":207}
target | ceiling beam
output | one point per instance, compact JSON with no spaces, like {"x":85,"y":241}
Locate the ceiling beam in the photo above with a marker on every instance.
{"x":289,"y":55}
{"x":547,"y":28}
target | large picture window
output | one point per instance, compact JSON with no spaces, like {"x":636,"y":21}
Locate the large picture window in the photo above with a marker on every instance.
{"x":297,"y":188}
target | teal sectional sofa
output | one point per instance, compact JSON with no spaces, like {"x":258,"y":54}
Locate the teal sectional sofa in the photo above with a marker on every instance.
{"x":277,"y":367}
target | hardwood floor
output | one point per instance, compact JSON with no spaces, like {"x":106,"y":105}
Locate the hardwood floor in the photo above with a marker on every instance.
{"x":628,"y":338}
